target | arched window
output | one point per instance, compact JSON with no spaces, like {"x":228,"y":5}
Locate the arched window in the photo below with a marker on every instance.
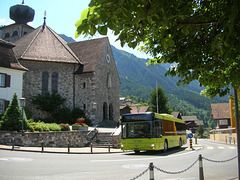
{"x":110,"y":112}
{"x":7,"y":35}
{"x":54,"y":81}
{"x":15,"y":33}
{"x":109,"y":80}
{"x":44,"y":82}
{"x":105,"y":111}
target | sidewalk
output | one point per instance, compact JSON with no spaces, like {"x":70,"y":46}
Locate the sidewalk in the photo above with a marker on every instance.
{"x":79,"y":150}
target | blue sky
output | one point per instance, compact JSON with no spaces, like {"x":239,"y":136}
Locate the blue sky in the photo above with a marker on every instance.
{"x":61,"y":17}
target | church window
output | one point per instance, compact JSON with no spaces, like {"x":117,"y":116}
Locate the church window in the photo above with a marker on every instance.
{"x":54,"y":81}
{"x":104,"y":111}
{"x":84,"y":106}
{"x":15,"y":33}
{"x":44,"y":82}
{"x":110,"y":112}
{"x":7,"y":35}
{"x":84,"y":85}
{"x":109,"y":80}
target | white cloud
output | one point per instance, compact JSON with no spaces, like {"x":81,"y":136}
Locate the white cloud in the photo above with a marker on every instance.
{"x":2,"y":20}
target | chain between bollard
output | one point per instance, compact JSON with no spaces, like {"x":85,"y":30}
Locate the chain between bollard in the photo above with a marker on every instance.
{"x":178,"y":172}
{"x":215,"y":161}
{"x":141,"y":174}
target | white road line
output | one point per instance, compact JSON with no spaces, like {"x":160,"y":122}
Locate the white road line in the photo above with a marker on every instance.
{"x":142,"y":159}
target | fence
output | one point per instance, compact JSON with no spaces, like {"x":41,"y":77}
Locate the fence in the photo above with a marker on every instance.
{"x":151,"y":168}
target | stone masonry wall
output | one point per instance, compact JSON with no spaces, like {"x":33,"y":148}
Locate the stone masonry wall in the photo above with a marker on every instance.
{"x":50,"y":139}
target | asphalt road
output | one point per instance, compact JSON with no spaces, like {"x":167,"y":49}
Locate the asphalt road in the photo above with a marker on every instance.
{"x":119,"y":166}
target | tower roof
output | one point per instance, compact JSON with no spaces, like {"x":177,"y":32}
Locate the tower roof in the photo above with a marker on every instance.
{"x":43,"y":44}
{"x":21,"y":13}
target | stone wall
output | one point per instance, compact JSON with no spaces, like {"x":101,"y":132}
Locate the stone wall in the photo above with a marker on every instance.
{"x":50,"y":139}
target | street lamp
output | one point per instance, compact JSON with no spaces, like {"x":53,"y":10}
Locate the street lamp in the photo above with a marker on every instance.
{"x":22,"y":104}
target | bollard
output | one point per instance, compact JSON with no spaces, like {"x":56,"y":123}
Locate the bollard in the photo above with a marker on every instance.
{"x":234,"y":140}
{"x":151,"y":174}
{"x":68,"y":146}
{"x":91,"y":148}
{"x":201,"y":176}
{"x":191,"y":143}
{"x":229,"y":140}
{"x":109,"y":147}
{"x":13,"y":142}
{"x":195,"y":140}
{"x":42,"y":143}
{"x":226,"y":139}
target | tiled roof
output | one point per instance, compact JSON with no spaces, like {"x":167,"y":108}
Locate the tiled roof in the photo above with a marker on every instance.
{"x":43,"y":44}
{"x":7,"y":57}
{"x":142,"y":109}
{"x":189,"y":118}
{"x":88,"y":52}
{"x":177,"y":115}
{"x":220,"y":111}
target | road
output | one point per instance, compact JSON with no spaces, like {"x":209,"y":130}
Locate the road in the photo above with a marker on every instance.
{"x":120,"y":166}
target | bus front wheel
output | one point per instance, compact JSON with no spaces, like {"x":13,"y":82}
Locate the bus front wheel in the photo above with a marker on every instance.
{"x":165,"y":146}
{"x":137,"y":151}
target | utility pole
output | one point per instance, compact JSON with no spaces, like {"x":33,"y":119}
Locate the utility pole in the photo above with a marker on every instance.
{"x":157,"y":95}
{"x":237,"y":127}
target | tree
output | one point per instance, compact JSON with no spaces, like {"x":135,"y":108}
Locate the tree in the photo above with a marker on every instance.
{"x":12,"y":118}
{"x":162,"y":99}
{"x":200,"y":131}
{"x":201,"y":36}
{"x":48,"y":102}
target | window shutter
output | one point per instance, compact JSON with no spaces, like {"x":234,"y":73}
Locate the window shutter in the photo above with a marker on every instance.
{"x":6,"y":104}
{"x":7,"y":81}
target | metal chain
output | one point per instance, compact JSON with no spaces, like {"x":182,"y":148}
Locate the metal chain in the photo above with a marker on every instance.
{"x":219,"y":161}
{"x":141,"y":174}
{"x":178,"y":172}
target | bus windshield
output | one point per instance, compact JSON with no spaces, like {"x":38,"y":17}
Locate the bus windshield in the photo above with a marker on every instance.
{"x":140,"y":129}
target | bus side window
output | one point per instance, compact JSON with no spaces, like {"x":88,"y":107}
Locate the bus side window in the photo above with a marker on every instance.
{"x":158,"y":129}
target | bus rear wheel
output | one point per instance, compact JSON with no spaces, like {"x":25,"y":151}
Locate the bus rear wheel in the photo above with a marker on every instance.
{"x":137,"y":151}
{"x":165,"y":146}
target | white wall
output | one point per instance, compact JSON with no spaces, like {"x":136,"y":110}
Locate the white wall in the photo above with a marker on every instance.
{"x":15,"y":84}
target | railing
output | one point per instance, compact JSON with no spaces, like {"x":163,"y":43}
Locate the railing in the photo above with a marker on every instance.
{"x":151,"y":168}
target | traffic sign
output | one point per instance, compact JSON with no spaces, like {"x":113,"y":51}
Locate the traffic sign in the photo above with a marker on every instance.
{"x":190,"y":135}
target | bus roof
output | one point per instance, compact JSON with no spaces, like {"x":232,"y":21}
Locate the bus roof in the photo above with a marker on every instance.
{"x":159,"y":116}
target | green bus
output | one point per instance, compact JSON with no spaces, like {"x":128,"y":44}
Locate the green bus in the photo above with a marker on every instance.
{"x":151,"y":131}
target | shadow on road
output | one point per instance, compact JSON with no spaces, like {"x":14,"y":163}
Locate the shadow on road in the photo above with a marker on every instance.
{"x":157,"y":153}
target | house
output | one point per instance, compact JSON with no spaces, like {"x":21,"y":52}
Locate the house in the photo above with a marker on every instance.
{"x":139,"y":109}
{"x":221,"y":114}
{"x":84,"y":73}
{"x":11,"y":75}
{"x":177,"y":115}
{"x":125,"y":109}
{"x":192,"y":122}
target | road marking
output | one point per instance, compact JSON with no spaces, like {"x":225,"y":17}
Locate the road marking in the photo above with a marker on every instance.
{"x":209,"y":147}
{"x":231,"y":147}
{"x":220,"y":147}
{"x":141,"y":159}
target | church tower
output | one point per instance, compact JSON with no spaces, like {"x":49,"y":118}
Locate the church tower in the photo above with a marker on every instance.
{"x":21,"y":14}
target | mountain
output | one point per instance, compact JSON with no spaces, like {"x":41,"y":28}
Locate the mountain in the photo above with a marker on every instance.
{"x":137,"y":79}
{"x":67,"y":38}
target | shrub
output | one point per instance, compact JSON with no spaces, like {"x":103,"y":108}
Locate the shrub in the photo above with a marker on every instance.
{"x":43,"y":127}
{"x":12,"y":118}
{"x":64,"y":127}
{"x":63,"y":115}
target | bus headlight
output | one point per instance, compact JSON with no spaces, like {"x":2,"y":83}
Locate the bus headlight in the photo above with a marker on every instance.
{"x":152,"y":146}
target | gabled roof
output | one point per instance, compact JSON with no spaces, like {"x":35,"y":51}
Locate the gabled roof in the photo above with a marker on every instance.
{"x":89,"y":52}
{"x":142,"y":109}
{"x":7,"y":57}
{"x":220,"y":111}
{"x":177,"y":115}
{"x":43,"y":44}
{"x":189,"y":118}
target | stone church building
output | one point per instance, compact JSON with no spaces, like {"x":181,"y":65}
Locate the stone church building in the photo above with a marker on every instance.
{"x":83,"y":72}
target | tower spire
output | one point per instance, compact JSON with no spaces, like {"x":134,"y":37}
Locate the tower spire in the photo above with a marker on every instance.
{"x":44,"y":20}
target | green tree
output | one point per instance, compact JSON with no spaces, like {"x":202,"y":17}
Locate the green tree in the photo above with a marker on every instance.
{"x":163,"y":106}
{"x":12,"y":118}
{"x":48,"y":102}
{"x":200,"y":131}
{"x":201,"y":36}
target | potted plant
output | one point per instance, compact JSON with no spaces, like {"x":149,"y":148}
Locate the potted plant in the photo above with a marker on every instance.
{"x":80,"y":125}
